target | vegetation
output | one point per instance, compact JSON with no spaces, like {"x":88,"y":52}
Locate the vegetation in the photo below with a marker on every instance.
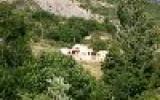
{"x":130,"y":71}
{"x":67,"y":30}
{"x":97,"y":43}
{"x":24,"y":77}
{"x":98,"y":8}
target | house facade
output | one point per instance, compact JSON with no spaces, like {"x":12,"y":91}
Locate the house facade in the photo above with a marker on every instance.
{"x":82,"y":52}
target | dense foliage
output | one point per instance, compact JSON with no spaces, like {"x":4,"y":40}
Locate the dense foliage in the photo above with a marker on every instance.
{"x":13,"y":28}
{"x":67,"y":30}
{"x":25,"y":77}
{"x":129,"y":69}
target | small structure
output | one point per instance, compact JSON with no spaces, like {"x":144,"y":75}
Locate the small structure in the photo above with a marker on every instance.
{"x":102,"y":55}
{"x":99,"y":35}
{"x":88,"y":38}
{"x":84,"y":53}
{"x":64,"y":51}
{"x":1,"y":40}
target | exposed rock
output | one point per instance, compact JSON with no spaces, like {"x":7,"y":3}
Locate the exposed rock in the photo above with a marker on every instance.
{"x":10,"y":1}
{"x":65,"y":8}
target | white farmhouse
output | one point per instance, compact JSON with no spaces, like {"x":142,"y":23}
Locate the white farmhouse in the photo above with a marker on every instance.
{"x":82,"y":52}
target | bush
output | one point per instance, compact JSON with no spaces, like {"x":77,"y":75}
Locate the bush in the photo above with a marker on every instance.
{"x":62,"y":29}
{"x":81,"y":82}
{"x":129,"y":71}
{"x":38,"y":75}
{"x":15,"y":48}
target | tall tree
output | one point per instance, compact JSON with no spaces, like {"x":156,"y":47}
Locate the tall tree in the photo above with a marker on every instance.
{"x":129,"y":70}
{"x":13,"y":30}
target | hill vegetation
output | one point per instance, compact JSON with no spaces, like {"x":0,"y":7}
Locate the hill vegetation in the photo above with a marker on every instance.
{"x":130,"y":72}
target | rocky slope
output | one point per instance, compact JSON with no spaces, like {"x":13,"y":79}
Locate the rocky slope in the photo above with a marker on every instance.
{"x":10,"y":1}
{"x":65,"y":8}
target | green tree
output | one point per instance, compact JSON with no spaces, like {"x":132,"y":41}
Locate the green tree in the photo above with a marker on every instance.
{"x":82,"y":84}
{"x":50,"y":76}
{"x":128,"y":70}
{"x":97,"y":43}
{"x":14,"y":33}
{"x":55,"y":90}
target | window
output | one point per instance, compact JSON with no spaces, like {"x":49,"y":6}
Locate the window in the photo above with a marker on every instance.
{"x":93,"y":53}
{"x":73,"y":52}
{"x":69,"y":52}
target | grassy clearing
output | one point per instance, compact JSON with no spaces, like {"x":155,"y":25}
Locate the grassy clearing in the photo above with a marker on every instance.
{"x":93,"y":68}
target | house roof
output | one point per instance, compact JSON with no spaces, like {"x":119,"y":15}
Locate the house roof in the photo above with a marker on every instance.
{"x":102,"y":52}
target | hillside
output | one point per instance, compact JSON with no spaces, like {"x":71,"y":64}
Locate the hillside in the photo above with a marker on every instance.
{"x":62,"y":29}
{"x":79,"y":50}
{"x":65,"y":8}
{"x":67,"y":30}
{"x":88,"y":9}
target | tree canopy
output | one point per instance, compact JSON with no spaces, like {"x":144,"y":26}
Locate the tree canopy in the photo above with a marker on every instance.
{"x":129,"y":69}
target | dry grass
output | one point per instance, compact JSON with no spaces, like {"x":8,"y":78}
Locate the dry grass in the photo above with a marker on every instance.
{"x":42,"y":46}
{"x":94,"y":68}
